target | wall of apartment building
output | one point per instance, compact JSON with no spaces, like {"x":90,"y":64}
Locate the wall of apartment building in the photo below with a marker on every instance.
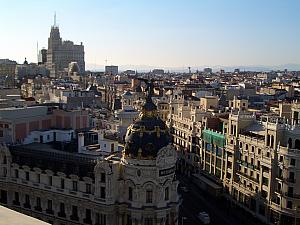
{"x":18,"y":123}
{"x":251,"y":174}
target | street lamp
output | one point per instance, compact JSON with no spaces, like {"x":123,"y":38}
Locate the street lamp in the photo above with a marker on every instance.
{"x":182,"y":219}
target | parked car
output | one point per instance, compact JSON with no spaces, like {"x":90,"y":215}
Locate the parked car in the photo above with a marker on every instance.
{"x":204,"y":217}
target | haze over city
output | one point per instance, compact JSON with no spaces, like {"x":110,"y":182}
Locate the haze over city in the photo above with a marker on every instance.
{"x":167,"y":34}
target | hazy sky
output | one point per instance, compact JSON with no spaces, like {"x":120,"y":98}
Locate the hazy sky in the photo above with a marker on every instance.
{"x":170,"y":33}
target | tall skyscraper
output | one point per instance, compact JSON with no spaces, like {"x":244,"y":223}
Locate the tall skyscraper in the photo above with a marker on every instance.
{"x":60,"y":53}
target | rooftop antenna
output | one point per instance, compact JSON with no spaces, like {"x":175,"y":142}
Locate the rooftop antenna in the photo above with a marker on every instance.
{"x":37,"y":51}
{"x":54,"y":19}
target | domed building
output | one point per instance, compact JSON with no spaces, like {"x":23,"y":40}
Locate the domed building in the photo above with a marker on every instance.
{"x":146,"y":185}
{"x":136,"y":186}
{"x":146,"y":136}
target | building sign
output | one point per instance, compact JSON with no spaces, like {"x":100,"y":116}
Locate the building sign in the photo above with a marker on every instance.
{"x":166,"y":172}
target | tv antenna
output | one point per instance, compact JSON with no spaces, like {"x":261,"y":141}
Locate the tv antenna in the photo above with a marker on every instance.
{"x":55,"y":19}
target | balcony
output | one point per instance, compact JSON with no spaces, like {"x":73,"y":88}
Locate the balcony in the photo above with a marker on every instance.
{"x":16,"y":202}
{"x":87,"y":221}
{"x":50,"y":211}
{"x":38,"y":208}
{"x":74,"y":217}
{"x":248,"y":177}
{"x":62,"y":214}
{"x":27,"y":206}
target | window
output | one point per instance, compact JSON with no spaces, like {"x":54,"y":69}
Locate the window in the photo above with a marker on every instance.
{"x":290,"y":192}
{"x":149,"y":194}
{"x":17,"y":199}
{"x":74,"y":213}
{"x":280,"y":158}
{"x":259,"y":151}
{"x":49,"y":205}
{"x":112,"y":147}
{"x":102,"y":192}
{"x":289,"y":205}
{"x":265,"y":181}
{"x":148,"y":221}
{"x":130,"y":193}
{"x":166,"y":193}
{"x":101,"y":219}
{"x":62,"y":209}
{"x":293,"y":162}
{"x":74,"y":185}
{"x":62,"y":183}
{"x":88,"y":188}
{"x":88,"y":215}
{"x":102,"y":177}
{"x":16,"y":173}
{"x":27,"y":201}
{"x":4,"y":172}
{"x":264,"y":194}
{"x":27,"y":175}
{"x":50,"y":180}
{"x":38,"y":202}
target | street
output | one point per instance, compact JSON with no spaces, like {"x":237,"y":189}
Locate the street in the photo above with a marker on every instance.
{"x":220,"y":212}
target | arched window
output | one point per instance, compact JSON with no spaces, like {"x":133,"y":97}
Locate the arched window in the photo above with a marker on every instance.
{"x":149,"y":196}
{"x":166,"y":193}
{"x":297,"y":144}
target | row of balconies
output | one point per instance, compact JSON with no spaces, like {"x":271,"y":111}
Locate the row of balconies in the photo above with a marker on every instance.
{"x":54,"y":189}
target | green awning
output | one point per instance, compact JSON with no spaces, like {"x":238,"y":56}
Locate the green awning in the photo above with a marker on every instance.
{"x":213,"y":137}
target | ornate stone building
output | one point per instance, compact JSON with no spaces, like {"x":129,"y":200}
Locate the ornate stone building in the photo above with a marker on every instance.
{"x":137,"y":187}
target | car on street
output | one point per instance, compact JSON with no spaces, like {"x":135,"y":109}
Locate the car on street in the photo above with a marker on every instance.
{"x":204,"y":217}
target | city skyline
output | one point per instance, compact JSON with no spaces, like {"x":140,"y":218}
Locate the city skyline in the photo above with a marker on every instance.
{"x":173,"y":34}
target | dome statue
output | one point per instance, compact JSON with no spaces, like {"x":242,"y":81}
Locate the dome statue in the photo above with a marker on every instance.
{"x":147,"y":135}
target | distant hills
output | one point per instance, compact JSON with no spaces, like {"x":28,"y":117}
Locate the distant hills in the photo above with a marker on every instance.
{"x":147,"y":68}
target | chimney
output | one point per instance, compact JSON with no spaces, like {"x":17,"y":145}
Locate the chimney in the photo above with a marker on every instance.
{"x":80,"y":142}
